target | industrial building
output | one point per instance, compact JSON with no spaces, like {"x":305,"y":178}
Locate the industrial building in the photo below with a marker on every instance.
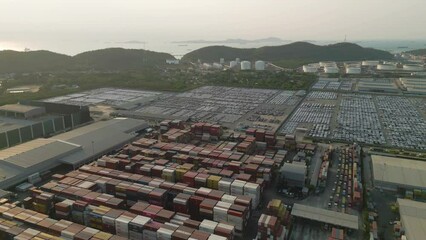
{"x":377,"y":86}
{"x":20,"y":123}
{"x":325,"y":216}
{"x":414,"y":85}
{"x":72,"y":148}
{"x":294,"y":174}
{"x":391,"y":173}
{"x":413,"y":218}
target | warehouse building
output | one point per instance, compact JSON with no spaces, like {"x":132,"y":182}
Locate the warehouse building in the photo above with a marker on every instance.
{"x":294,"y":174}
{"x":21,"y":123}
{"x":325,"y":216}
{"x":413,"y":218}
{"x":73,"y":148}
{"x":394,"y":174}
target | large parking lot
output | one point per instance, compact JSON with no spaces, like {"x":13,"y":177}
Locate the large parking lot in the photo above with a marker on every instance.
{"x":233,"y":107}
{"x":397,"y":121}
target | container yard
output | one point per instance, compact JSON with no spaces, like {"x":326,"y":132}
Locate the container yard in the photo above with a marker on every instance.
{"x":180,"y":182}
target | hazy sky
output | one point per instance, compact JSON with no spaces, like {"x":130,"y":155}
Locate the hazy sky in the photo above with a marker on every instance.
{"x":65,"y":22}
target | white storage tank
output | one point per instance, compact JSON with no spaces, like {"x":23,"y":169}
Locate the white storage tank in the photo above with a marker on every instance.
{"x":370,"y":63}
{"x":327,"y":64}
{"x":259,"y":65}
{"x":386,"y":67}
{"x":412,"y":67}
{"x":310,"y":69}
{"x":245,"y":65}
{"x":331,"y":69}
{"x":233,"y":64}
{"x":353,"y":70}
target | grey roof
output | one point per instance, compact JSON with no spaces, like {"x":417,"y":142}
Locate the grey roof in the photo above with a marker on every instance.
{"x":294,"y":168}
{"x":400,"y":171}
{"x":74,"y":147}
{"x":326,"y":216}
{"x":18,"y":108}
{"x":29,"y":154}
{"x":100,"y":137}
{"x":413,"y":217}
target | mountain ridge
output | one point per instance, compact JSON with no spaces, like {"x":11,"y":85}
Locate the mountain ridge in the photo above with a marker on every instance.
{"x":293,"y":51}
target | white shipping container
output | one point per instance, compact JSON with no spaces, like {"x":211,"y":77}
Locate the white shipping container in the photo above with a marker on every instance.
{"x":216,"y":237}
{"x":225,"y":186}
{"x":122,"y":226}
{"x":189,"y":190}
{"x":164,"y":234}
{"x":101,"y":163}
{"x":208,"y":226}
{"x":228,"y":198}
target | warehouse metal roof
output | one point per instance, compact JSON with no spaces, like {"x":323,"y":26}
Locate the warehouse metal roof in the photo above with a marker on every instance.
{"x":18,"y":108}
{"x":34,"y":152}
{"x":400,"y":171}
{"x":102,"y":136}
{"x":74,"y":147}
{"x":413,"y":217}
{"x":325,"y":216}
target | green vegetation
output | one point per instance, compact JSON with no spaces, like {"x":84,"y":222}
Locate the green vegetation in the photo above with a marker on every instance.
{"x":418,"y":52}
{"x":263,"y":79}
{"x":111,"y":59}
{"x":291,"y":54}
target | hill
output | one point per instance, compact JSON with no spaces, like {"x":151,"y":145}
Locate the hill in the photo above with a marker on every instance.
{"x":298,"y":51}
{"x":111,"y":59}
{"x":418,"y":52}
{"x":119,"y":59}
{"x":34,"y":61}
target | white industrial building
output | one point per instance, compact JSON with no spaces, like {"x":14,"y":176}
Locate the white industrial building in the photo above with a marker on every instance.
{"x":310,"y":68}
{"x":331,"y":69}
{"x":413,"y":218}
{"x":370,"y":63}
{"x":387,"y":67}
{"x":413,"y":67}
{"x":353,"y":68}
{"x":72,"y":148}
{"x":391,"y":173}
{"x":414,"y":85}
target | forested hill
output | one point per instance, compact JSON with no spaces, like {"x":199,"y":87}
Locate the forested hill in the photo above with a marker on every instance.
{"x":110,"y":59}
{"x":418,"y":52}
{"x":301,"y":51}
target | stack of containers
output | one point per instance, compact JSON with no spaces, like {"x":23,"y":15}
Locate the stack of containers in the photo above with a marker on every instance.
{"x":43,"y":203}
{"x":169,"y":174}
{"x":253,"y":190}
{"x":180,"y":203}
{"x":237,"y":187}
{"x":136,"y":227}
{"x":225,"y":185}
{"x":220,"y":211}
{"x":269,"y":228}
{"x":122,"y":225}
{"x":63,"y":209}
